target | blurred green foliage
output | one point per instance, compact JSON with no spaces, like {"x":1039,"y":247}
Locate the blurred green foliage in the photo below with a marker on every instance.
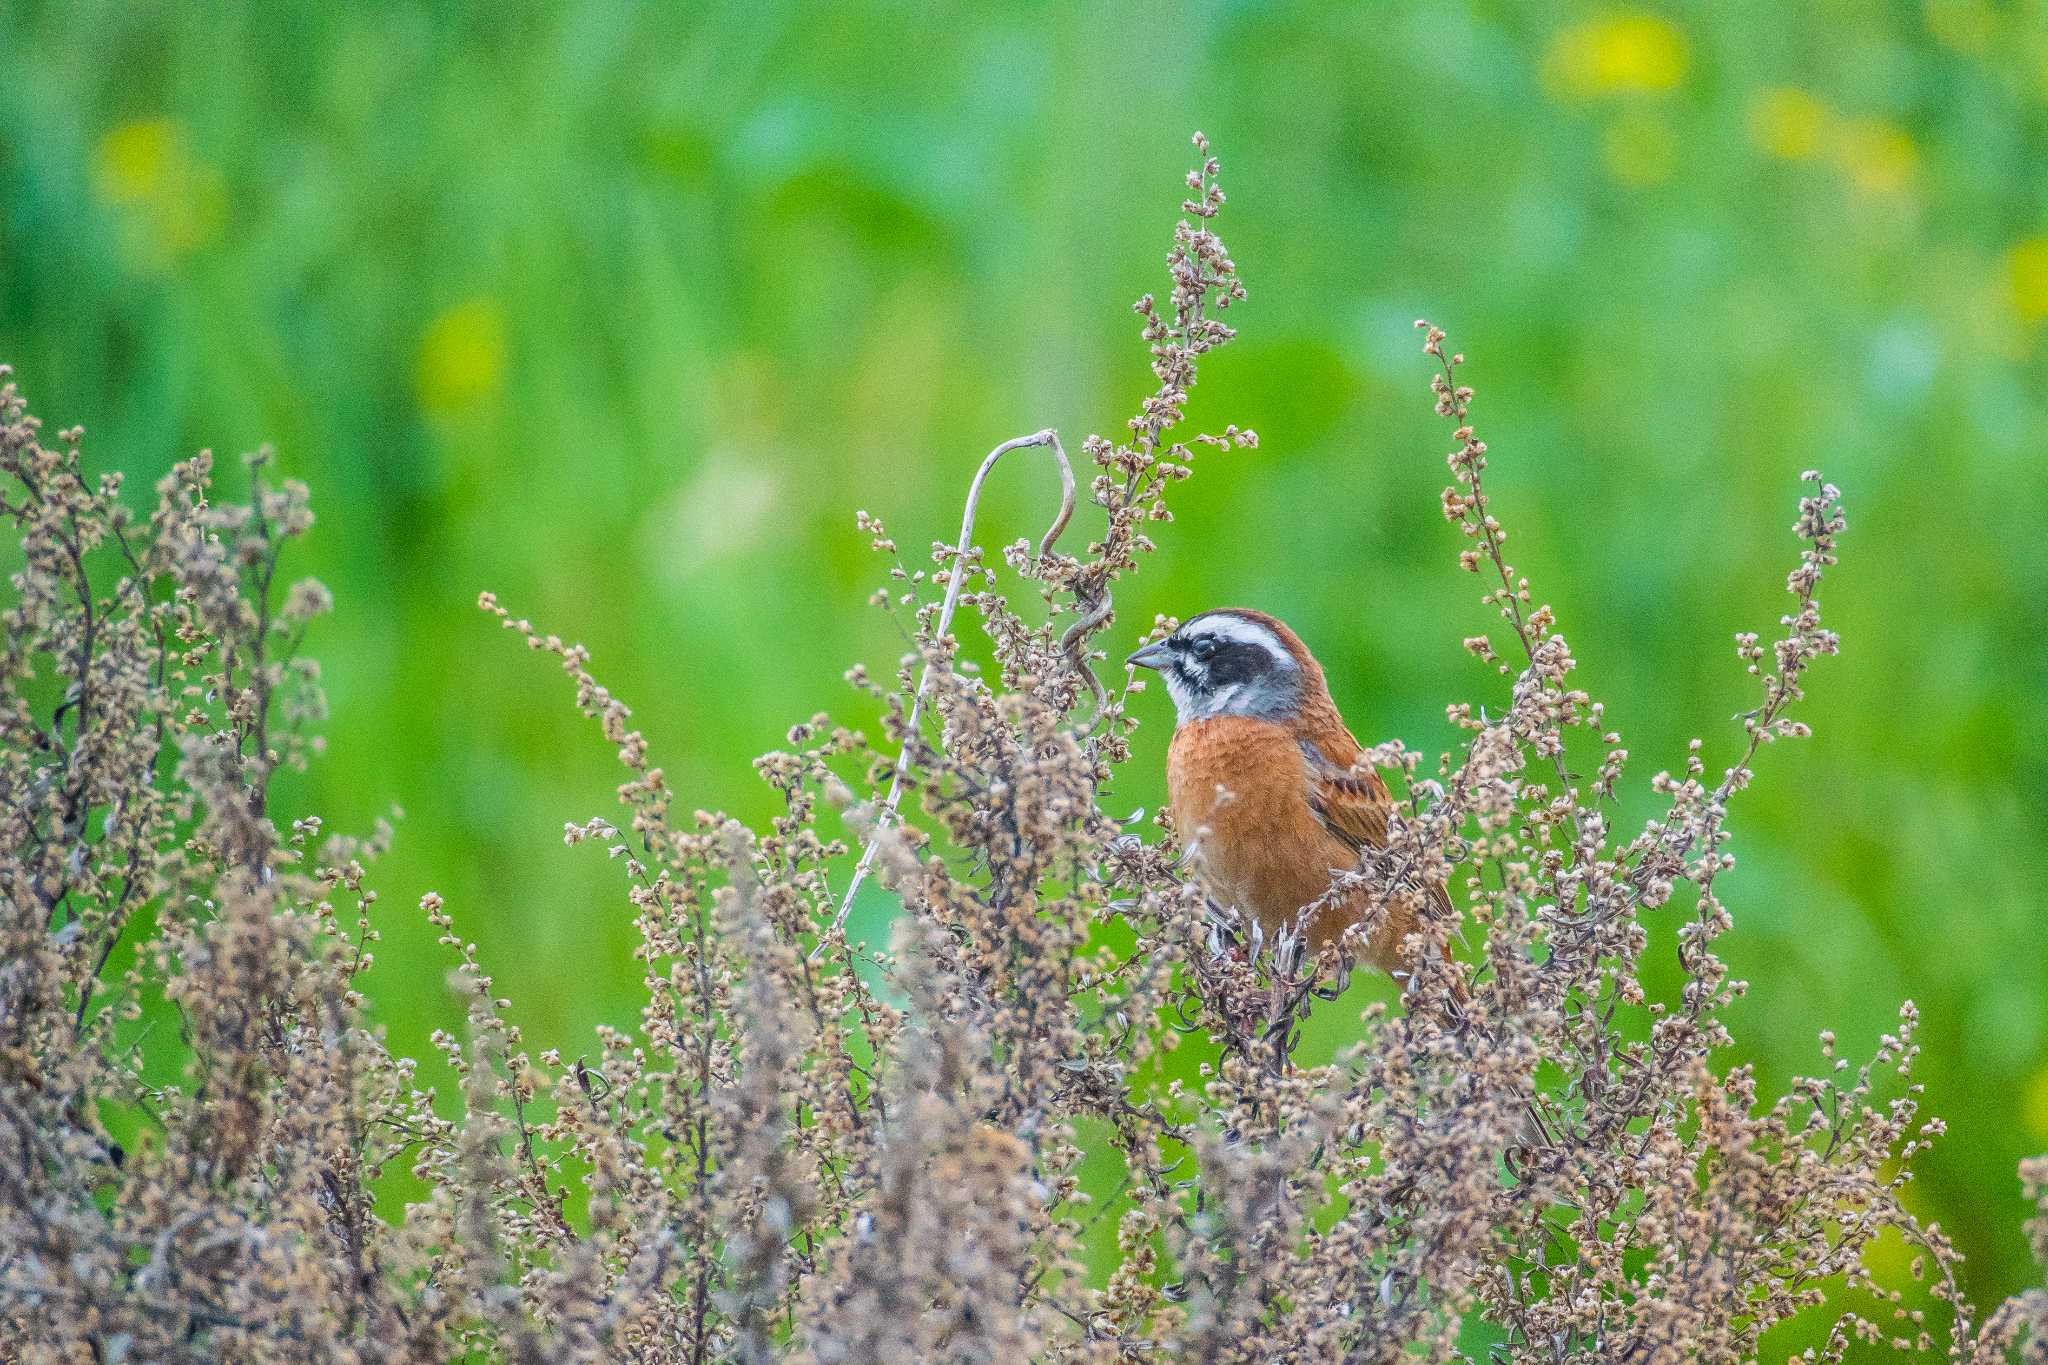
{"x":622,"y":312}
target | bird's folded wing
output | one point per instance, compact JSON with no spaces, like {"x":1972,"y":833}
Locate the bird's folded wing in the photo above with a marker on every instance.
{"x":1352,"y":802}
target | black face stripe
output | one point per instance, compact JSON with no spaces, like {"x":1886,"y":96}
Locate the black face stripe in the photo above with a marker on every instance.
{"x":1237,"y":661}
{"x":1218,"y":671}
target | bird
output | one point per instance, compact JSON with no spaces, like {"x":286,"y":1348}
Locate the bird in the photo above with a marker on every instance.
{"x":1267,"y":785}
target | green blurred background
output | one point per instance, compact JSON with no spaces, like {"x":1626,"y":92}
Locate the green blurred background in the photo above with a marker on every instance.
{"x":623,"y":313}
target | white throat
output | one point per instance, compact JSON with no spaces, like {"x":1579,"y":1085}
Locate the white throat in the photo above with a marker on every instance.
{"x":1189,"y":706}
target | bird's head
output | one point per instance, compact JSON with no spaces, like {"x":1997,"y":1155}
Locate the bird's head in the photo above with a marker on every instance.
{"x":1233,"y":662}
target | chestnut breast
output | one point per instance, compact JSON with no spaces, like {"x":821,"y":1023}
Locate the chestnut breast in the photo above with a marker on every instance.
{"x":1239,"y":790}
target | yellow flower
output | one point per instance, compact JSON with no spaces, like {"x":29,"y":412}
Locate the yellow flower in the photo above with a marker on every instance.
{"x":1879,"y":157}
{"x":2034,"y":1106}
{"x":136,"y":158}
{"x":461,"y":357}
{"x":2027,"y":270}
{"x":1787,"y":122}
{"x":1639,"y":149}
{"x":1621,"y":53}
{"x":173,"y":202}
{"x":1969,"y":26}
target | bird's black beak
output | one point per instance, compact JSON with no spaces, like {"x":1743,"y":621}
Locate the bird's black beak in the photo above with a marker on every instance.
{"x":1154,"y":655}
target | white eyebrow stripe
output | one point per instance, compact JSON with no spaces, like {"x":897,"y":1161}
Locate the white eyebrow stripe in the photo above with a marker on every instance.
{"x":1237,"y":630}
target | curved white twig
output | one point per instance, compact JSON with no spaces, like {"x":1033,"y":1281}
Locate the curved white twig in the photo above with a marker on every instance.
{"x":955,"y":577}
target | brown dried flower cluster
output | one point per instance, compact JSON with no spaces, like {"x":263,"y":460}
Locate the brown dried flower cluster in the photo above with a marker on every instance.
{"x":807,"y":1150}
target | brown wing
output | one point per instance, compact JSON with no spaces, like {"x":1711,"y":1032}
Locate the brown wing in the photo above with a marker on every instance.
{"x":1352,"y":802}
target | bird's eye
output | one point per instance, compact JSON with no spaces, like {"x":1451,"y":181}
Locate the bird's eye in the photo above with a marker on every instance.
{"x":1203,"y":647}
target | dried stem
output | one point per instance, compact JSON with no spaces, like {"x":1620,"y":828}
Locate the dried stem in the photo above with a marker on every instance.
{"x":955,"y":578}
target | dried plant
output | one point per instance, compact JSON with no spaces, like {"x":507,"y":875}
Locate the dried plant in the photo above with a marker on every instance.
{"x":811,"y":1150}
